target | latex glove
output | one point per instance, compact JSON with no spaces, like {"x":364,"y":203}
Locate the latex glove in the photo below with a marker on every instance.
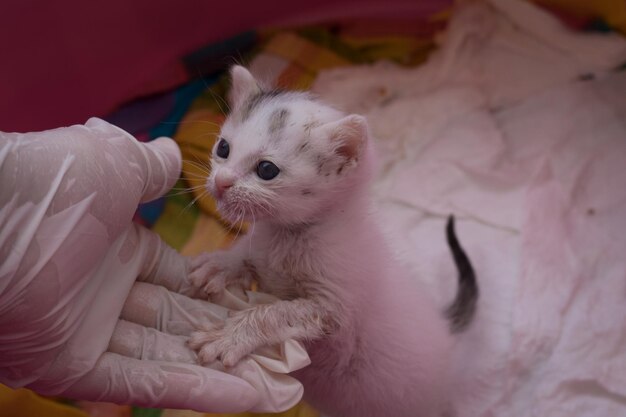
{"x":69,"y":257}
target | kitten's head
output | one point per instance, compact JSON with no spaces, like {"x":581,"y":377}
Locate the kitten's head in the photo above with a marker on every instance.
{"x":285,"y":157}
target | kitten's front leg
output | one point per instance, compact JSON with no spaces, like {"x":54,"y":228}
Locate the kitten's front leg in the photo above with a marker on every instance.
{"x":270,"y":324}
{"x":214,"y":271}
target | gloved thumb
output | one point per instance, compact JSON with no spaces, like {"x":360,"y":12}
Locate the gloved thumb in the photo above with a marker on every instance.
{"x":163,"y":169}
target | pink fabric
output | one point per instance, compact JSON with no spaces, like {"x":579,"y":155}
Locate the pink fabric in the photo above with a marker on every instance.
{"x":62,"y":65}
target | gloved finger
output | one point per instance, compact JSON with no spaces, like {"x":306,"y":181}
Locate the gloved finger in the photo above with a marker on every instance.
{"x":278,"y":390}
{"x":164,"y":165}
{"x":122,"y":380}
{"x":144,"y":171}
{"x":154,"y":306}
{"x":165,"y":266}
{"x":135,"y":341}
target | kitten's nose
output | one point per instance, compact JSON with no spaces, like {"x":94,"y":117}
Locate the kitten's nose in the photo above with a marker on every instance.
{"x":223,"y":183}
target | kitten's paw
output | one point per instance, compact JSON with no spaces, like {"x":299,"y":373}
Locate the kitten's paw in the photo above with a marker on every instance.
{"x":201,"y":337}
{"x":229,"y":342}
{"x":207,"y":273}
{"x":217,"y":344}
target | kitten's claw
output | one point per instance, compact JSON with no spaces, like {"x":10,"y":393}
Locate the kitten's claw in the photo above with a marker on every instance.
{"x":202,"y":337}
{"x":223,"y":348}
{"x":204,"y":341}
{"x":221,"y":342}
{"x":208,"y":354}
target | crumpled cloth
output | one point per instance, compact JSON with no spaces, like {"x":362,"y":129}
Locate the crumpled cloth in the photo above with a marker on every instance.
{"x":515,"y":125}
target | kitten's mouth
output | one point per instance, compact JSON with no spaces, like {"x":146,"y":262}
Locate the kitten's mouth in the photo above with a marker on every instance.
{"x":235,"y":210}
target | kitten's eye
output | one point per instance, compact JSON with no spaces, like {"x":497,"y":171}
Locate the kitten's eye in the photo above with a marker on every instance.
{"x":223,"y":149}
{"x":267,"y":170}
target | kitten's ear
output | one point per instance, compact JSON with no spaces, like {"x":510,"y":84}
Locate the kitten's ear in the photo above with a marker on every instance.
{"x":348,"y":136}
{"x":243,"y":86}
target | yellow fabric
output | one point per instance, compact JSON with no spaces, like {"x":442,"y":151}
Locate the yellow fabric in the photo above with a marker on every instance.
{"x":25,"y":403}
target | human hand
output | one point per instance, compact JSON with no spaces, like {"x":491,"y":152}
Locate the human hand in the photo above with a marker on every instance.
{"x":69,"y":258}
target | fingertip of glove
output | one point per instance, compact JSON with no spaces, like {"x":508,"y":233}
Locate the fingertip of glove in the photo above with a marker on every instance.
{"x":165,"y":169}
{"x":168,"y":146}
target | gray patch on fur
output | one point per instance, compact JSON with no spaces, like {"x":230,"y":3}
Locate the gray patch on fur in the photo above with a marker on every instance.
{"x":310,"y":126}
{"x":278,"y":120}
{"x":321,"y":160}
{"x":256,"y":100}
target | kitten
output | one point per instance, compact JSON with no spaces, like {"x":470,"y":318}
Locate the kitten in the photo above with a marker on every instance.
{"x":300,"y":170}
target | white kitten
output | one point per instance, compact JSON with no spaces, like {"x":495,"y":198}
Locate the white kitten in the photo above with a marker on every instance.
{"x":300,"y":171}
